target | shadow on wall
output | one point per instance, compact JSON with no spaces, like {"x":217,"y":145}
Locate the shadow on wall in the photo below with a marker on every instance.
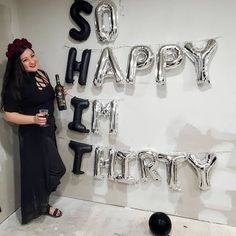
{"x":191,"y":139}
{"x":232,"y":212}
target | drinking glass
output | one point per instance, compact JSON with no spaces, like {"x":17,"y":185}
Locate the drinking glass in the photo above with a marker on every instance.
{"x":44,"y":113}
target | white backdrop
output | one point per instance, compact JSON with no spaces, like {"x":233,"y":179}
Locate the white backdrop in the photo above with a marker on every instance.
{"x":183,"y":117}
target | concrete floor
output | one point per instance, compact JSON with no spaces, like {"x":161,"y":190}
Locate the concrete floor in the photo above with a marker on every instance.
{"x":83,"y":218}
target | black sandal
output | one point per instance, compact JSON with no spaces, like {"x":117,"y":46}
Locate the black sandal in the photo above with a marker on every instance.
{"x":56,"y":212}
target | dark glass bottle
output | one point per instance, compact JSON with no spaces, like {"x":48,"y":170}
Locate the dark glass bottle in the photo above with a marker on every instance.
{"x":61,"y":101}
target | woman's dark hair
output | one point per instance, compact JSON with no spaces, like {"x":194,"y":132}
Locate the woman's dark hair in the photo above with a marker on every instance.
{"x":14,"y":75}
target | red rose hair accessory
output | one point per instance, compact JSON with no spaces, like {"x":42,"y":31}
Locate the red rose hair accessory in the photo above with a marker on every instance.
{"x":16,"y":46}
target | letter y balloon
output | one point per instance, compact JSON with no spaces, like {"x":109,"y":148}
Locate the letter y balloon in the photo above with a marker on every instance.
{"x":201,"y":58}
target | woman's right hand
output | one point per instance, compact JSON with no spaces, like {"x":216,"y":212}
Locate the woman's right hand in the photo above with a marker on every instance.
{"x":39,"y":119}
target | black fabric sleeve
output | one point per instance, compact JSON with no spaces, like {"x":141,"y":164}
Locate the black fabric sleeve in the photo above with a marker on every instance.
{"x":11,"y":104}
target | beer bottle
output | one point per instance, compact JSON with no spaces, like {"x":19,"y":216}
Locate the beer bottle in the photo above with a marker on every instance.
{"x":61,"y":101}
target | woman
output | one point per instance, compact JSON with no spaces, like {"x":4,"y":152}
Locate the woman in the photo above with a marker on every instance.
{"x":25,"y":91}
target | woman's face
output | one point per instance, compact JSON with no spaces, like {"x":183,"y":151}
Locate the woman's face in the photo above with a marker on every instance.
{"x":29,"y":61}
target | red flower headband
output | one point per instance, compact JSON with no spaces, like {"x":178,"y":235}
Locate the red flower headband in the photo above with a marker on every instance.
{"x":16,"y":46}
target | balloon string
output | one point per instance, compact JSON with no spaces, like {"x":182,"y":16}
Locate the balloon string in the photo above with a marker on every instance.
{"x":150,"y":45}
{"x":134,"y":151}
{"x":100,"y":99}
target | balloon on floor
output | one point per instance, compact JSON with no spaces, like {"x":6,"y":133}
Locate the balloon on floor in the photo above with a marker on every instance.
{"x":160,"y":224}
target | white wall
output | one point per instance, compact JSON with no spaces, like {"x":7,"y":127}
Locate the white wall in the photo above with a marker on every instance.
{"x":9,"y":157}
{"x":182,"y":118}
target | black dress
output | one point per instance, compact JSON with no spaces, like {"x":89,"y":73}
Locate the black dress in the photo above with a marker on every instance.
{"x":41,"y":164}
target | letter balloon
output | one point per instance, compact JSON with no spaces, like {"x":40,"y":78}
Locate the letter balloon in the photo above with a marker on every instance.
{"x":100,"y":163}
{"x":80,"y":149}
{"x":123,"y":176}
{"x":112,"y":164}
{"x":202,"y":166}
{"x":79,"y":105}
{"x":172,"y":162}
{"x":141,"y":58}
{"x":148,"y":165}
{"x":106,"y":33}
{"x":201,"y":59}
{"x":108,"y":110}
{"x":74,"y":66}
{"x":168,"y":57}
{"x":107,"y":67}
{"x":77,"y":7}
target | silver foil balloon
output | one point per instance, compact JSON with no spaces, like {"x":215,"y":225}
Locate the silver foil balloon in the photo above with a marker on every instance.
{"x":202,"y":167}
{"x":107,"y":67}
{"x":108,"y":110}
{"x":100,"y":163}
{"x":97,"y":109}
{"x":140,"y":58}
{"x":201,"y":59}
{"x":119,"y":166}
{"x":148,"y":165}
{"x":112,"y":164}
{"x":106,"y":33}
{"x":168,"y":57}
{"x":113,"y":116}
{"x":125,"y":158}
{"x":172,"y":161}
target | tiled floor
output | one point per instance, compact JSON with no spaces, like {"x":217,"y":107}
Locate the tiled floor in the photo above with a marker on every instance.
{"x":82,"y":218}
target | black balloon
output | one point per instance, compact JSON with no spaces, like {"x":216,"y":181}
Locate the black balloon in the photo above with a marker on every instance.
{"x":76,"y":125}
{"x":160,"y":224}
{"x":79,"y":149}
{"x":84,"y":66}
{"x":75,"y":66}
{"x":77,"y":7}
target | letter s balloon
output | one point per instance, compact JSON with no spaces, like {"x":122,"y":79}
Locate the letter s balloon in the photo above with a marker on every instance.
{"x":75,"y":10}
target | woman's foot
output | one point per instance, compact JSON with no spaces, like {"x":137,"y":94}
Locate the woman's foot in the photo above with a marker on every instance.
{"x":54,"y":212}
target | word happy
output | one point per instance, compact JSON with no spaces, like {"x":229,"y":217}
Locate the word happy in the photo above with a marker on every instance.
{"x":169,"y":57}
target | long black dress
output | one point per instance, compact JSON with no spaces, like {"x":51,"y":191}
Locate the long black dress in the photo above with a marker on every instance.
{"x":41,"y":164}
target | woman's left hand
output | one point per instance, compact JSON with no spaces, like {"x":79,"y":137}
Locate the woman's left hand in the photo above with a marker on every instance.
{"x":65,"y":92}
